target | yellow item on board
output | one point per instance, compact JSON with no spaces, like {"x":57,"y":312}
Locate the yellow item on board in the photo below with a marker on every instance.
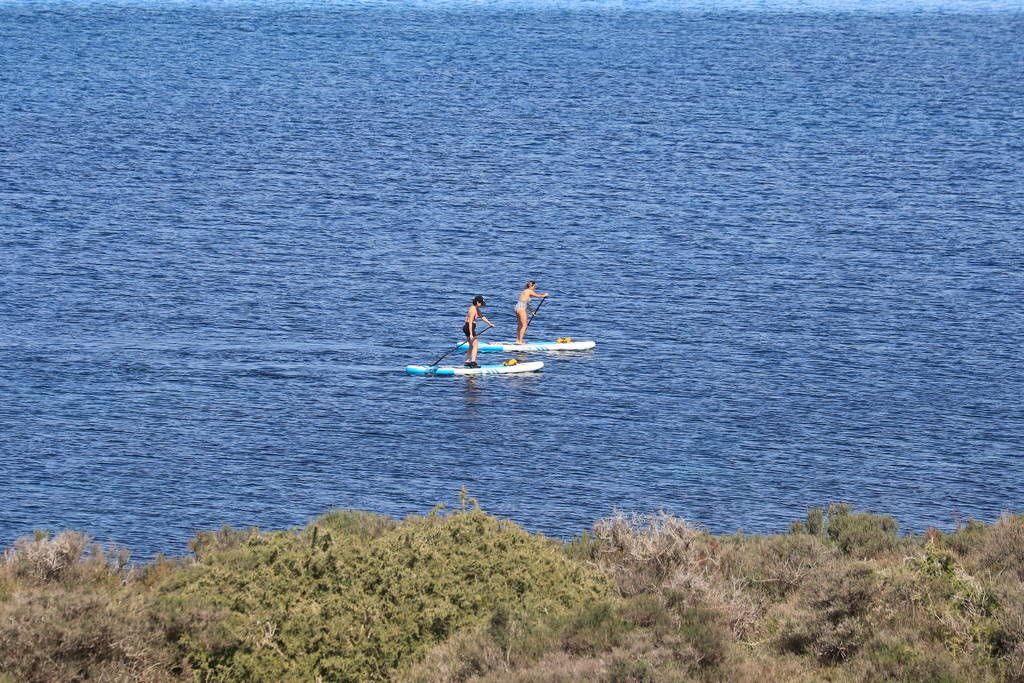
{"x":564,"y":340}
{"x":510,"y":361}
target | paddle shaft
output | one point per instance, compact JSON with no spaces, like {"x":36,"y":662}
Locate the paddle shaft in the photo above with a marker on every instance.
{"x":535,"y":312}
{"x":457,"y":346}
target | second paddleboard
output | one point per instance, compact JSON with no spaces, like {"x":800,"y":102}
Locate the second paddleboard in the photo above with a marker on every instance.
{"x":451,"y":371}
{"x":512,"y":347}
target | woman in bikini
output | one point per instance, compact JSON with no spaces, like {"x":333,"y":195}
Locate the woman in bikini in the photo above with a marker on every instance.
{"x":524,"y":298}
{"x":469,"y":329}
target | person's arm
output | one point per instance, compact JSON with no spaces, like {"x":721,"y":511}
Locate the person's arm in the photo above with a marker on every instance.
{"x":487,"y":321}
{"x":535,"y":295}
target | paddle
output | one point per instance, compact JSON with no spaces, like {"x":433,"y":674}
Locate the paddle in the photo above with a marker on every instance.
{"x":457,"y":346}
{"x":535,"y":312}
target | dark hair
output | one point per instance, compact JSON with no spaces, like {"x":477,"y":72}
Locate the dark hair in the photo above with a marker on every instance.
{"x":531,"y":283}
{"x":479,"y":299}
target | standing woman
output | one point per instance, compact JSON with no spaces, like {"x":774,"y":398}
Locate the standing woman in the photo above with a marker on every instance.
{"x":469,"y":329}
{"x":524,"y":298}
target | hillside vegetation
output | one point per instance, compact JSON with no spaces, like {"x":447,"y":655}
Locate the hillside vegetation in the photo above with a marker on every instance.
{"x":463,"y":596}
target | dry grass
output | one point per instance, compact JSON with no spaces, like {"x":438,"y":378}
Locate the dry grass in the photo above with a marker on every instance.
{"x":67,"y":558}
{"x":67,"y":615}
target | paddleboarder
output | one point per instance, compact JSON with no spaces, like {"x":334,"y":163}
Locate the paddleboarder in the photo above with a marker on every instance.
{"x":524,"y":299}
{"x":469,"y":329}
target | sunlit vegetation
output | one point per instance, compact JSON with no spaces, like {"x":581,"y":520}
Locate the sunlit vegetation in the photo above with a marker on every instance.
{"x":462,"y":595}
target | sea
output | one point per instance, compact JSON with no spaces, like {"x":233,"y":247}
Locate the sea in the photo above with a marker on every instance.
{"x":794,"y":229}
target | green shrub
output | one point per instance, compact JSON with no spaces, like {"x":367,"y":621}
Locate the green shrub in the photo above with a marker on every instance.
{"x":832,"y":621}
{"x":1007,"y":636}
{"x":815,"y":521}
{"x":209,"y":543}
{"x":775,"y":566}
{"x":959,"y":606}
{"x":595,"y":628}
{"x":584,"y":547}
{"x":813,"y":524}
{"x":1002,"y":549}
{"x":700,"y":628}
{"x":966,"y":540}
{"x":627,"y":670}
{"x":351,"y":598}
{"x":860,"y":534}
{"x":363,"y":525}
{"x":895,"y":659}
{"x":647,"y":611}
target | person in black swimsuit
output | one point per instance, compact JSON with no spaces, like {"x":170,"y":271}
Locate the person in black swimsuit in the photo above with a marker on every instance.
{"x":469,"y":329}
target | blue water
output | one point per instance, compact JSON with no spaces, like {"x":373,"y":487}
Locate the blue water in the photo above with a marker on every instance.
{"x":798,"y":238}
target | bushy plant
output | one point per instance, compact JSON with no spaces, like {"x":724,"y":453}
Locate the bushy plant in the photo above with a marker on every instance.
{"x":60,"y":633}
{"x":832,"y":617}
{"x":363,"y":525}
{"x":67,"y":558}
{"x":775,"y":566}
{"x":629,"y":670}
{"x":652,"y":550}
{"x":701,"y":630}
{"x":343,"y":604}
{"x":1002,"y":549}
{"x":595,"y":628}
{"x":905,"y":658}
{"x":860,"y":534}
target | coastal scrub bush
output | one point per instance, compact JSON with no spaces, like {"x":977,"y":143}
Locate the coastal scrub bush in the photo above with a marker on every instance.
{"x":65,"y":614}
{"x":657,"y":628}
{"x":355,"y":523}
{"x":351,"y":598}
{"x":774,"y":567}
{"x":628,"y":670}
{"x":706,"y":641}
{"x":642,"y":637}
{"x":648,"y":551}
{"x":831,"y":621}
{"x":593,"y":629}
{"x":1002,"y":549}
{"x":83,"y":632}
{"x":67,"y":558}
{"x":1008,"y":637}
{"x":664,"y":554}
{"x":905,"y":658}
{"x":860,"y":534}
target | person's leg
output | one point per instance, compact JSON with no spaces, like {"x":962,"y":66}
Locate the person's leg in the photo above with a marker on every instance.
{"x":520,"y":325}
{"x":472,"y":349}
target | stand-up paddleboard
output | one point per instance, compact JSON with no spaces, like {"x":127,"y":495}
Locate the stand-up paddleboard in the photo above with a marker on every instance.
{"x":451,"y":371}
{"x":563,"y":344}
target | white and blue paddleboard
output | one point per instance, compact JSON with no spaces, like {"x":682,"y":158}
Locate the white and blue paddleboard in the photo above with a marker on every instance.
{"x":451,"y":371}
{"x":512,"y":347}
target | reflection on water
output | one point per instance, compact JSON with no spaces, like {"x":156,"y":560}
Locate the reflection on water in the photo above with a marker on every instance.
{"x":471,"y":389}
